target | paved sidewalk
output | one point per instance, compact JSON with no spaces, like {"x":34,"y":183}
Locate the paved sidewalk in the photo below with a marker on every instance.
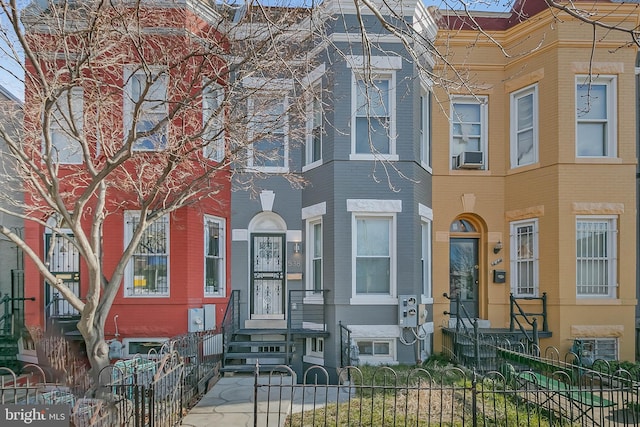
{"x":231,"y":401}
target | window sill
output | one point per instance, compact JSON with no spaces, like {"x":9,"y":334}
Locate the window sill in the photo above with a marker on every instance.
{"x":523,"y":168}
{"x":278,"y":169}
{"x":314,"y":299}
{"x":313,"y":359}
{"x":598,"y":300}
{"x":426,"y":167}
{"x":614,"y":160}
{"x":312,"y":165}
{"x":373,"y":157}
{"x":147,"y":295}
{"x":373,"y":300}
{"x":467,"y":172}
{"x":426,"y":300}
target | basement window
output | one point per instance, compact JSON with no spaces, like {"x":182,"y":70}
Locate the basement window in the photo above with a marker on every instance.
{"x":601,"y":348}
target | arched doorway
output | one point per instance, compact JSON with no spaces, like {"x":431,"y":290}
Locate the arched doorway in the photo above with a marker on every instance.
{"x":464,"y":265}
{"x":267,"y":264}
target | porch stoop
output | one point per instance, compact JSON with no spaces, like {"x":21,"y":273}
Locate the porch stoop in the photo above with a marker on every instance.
{"x":268,"y":346}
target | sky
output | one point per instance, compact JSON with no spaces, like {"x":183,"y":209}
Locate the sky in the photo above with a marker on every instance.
{"x":9,"y":66}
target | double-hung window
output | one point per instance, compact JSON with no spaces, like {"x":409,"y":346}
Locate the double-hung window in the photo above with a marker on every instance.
{"x":373,"y":254}
{"x":313,"y":148}
{"x":424,"y":131}
{"x":212,"y":121}
{"x":595,"y":116}
{"x":65,"y":128}
{"x":469,"y":132}
{"x":147,"y":273}
{"x":373,"y":107}
{"x":146,"y":109}
{"x":269,"y":148}
{"x":426,"y":215}
{"x":214,"y":259}
{"x":596,"y":262}
{"x":315,"y":255}
{"x":524,"y":258}
{"x":524,"y":126}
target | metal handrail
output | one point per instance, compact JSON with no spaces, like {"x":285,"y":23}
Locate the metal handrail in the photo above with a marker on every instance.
{"x":230,"y":321}
{"x":7,"y":318}
{"x":525,"y":315}
{"x":465,"y":315}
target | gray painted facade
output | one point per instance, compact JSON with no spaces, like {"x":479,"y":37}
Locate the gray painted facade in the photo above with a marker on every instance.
{"x":340,"y":187}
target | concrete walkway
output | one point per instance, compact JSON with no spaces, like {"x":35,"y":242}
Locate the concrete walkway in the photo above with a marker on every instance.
{"x":230,"y":402}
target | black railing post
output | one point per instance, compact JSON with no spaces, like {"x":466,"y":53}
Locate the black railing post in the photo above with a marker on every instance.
{"x":545,"y":325}
{"x":536,"y":340}
{"x":476,"y":344}
{"x":474,"y":399}
{"x":255,"y":396}
{"x":511,"y":313}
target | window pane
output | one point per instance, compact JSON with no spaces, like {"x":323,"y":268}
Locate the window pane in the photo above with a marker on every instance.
{"x":268,"y":152}
{"x":317,"y":274}
{"x":212,"y":121}
{"x":592,"y":139}
{"x":466,"y":113}
{"x":373,"y":101}
{"x":373,"y":237}
{"x":525,"y":147}
{"x":372,"y":275}
{"x":372,"y":132}
{"x":317,"y":240}
{"x":592,"y":101}
{"x":365,"y":348}
{"x":525,"y":112}
{"x":381,"y":348}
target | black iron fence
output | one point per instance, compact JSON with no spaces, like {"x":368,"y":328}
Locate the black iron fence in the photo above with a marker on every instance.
{"x":153,"y":390}
{"x":445,"y":396}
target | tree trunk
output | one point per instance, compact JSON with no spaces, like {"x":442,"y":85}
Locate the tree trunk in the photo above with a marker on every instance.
{"x":97,"y":353}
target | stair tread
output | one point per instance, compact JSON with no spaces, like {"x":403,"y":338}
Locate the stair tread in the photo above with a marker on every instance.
{"x":254,"y":354}
{"x":258,"y":343}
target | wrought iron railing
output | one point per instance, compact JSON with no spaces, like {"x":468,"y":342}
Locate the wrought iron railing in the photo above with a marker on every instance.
{"x":307,"y":310}
{"x":517,"y":312}
{"x":230,"y":320}
{"x":11,"y":320}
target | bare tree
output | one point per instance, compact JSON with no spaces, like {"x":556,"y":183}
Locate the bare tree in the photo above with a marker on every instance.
{"x":138,"y":106}
{"x":166,"y":132}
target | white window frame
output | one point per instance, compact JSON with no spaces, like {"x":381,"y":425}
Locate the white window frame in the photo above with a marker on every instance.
{"x":516,"y":96}
{"x":611,"y":259}
{"x":269,"y":94}
{"x":424,"y":130}
{"x":377,"y":359}
{"x":64,"y":124}
{"x":366,"y":298}
{"x":213,"y":120}
{"x":426,"y":252}
{"x":156,"y":114}
{"x":220,"y":257}
{"x":483,"y":103}
{"x":129,"y":280}
{"x":390,"y":76}
{"x":610,"y":83}
{"x":312,"y":256}
{"x":315,"y":124}
{"x":518,"y":257}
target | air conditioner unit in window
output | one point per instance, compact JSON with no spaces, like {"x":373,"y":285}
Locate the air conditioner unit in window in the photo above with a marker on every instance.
{"x":470,"y":160}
